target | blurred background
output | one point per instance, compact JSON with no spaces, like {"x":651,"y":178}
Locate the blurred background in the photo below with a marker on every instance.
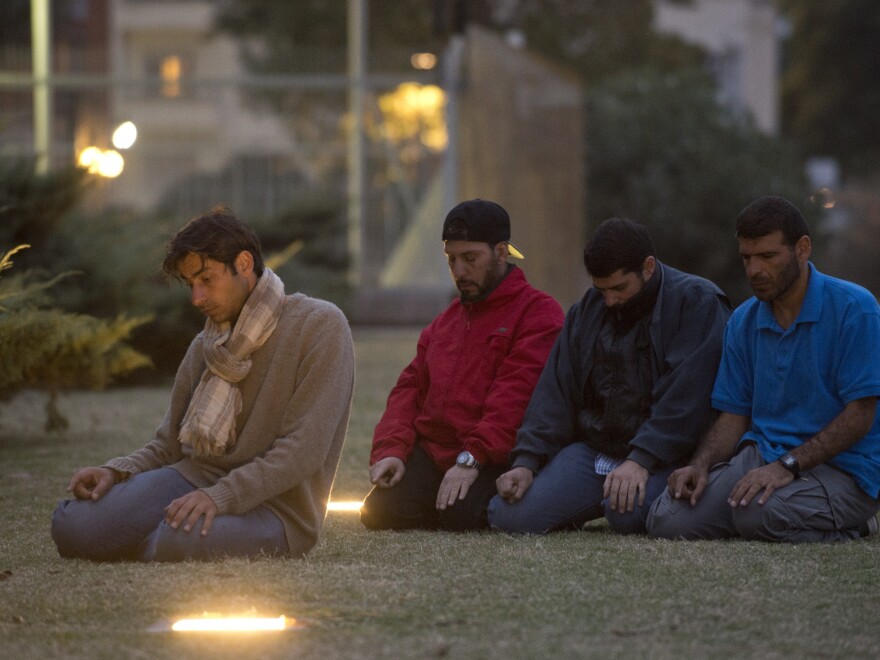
{"x":343,"y":130}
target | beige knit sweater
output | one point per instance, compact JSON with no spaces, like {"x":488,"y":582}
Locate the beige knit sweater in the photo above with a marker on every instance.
{"x":295,"y":406}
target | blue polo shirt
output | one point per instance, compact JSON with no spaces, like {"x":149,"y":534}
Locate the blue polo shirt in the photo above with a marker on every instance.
{"x":793,"y":382}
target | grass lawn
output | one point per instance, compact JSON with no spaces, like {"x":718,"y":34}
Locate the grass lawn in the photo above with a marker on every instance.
{"x":406,"y":595}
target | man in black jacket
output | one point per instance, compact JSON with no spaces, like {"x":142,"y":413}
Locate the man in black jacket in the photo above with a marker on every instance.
{"x":624,"y":396}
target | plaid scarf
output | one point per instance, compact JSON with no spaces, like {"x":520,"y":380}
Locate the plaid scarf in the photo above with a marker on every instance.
{"x":209,"y":423}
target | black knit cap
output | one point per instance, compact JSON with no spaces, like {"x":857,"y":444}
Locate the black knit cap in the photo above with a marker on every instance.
{"x":479,"y":220}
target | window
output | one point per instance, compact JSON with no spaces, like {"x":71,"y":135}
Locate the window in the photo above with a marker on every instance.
{"x":168,"y":74}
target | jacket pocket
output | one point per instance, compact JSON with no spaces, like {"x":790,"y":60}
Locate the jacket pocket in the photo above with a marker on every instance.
{"x":496,"y":350}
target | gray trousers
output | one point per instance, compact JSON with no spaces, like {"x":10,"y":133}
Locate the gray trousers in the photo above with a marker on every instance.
{"x":823,"y":504}
{"x":129,"y":523}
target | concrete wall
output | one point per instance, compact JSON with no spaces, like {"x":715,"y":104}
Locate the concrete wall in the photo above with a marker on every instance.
{"x":521,"y":135}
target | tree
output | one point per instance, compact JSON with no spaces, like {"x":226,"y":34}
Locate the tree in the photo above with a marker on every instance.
{"x":115,"y":256}
{"x":310,"y":36}
{"x":599,"y":38}
{"x":664,"y":152}
{"x":831,"y":80}
{"x":596,"y":37}
{"x":33,"y":206}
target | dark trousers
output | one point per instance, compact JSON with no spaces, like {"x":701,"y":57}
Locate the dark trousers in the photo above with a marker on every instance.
{"x":412,"y":502}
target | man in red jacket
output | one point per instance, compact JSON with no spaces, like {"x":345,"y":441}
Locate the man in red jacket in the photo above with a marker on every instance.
{"x":452,"y":418}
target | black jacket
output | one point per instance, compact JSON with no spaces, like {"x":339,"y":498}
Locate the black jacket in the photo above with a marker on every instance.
{"x":687,"y":332}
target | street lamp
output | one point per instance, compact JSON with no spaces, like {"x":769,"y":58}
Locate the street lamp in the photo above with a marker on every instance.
{"x":125,"y":135}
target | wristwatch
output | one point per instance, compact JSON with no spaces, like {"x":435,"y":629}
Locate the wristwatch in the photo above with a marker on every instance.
{"x":466,"y":460}
{"x":791,"y":464}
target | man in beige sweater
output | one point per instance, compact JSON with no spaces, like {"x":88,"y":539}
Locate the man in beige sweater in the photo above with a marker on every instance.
{"x":243,"y":462}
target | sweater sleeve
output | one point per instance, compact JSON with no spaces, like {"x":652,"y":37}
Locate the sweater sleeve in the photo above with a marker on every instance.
{"x":395,"y":433}
{"x":682,"y":411}
{"x":316,"y":412}
{"x":549,"y":421}
{"x":493,"y":437}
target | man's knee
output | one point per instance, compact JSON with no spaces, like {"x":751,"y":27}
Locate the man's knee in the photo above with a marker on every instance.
{"x":74,"y":534}
{"x":384,"y":508}
{"x":67,"y":532}
{"x":464,"y":516}
{"x":767,"y":522}
{"x":374,"y":517}
{"x":370,"y":519}
{"x":514,"y":518}
{"x":626,"y":522}
{"x":373,"y":511}
{"x":668,"y":518}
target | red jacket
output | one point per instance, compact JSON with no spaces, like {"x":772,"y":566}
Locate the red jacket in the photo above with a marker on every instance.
{"x":474,"y":371}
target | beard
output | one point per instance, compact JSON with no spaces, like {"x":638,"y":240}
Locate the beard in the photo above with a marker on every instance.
{"x":769,"y":291}
{"x":633,"y":300}
{"x":471,"y":291}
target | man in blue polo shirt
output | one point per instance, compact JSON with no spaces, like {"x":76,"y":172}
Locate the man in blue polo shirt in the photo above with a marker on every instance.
{"x":795,"y":453}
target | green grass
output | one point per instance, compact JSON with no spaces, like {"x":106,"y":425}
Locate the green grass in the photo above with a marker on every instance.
{"x":407,"y":595}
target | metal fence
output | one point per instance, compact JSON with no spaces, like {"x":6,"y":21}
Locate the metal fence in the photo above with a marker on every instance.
{"x":264,"y":145}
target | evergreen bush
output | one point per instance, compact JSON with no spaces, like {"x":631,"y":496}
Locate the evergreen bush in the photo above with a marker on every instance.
{"x":50,"y":349}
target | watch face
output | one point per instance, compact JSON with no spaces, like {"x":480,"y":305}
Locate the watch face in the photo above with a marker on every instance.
{"x":464,"y":459}
{"x":791,"y":464}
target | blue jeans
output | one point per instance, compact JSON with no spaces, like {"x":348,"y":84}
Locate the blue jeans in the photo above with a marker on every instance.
{"x":128,"y":522}
{"x":567,"y":493}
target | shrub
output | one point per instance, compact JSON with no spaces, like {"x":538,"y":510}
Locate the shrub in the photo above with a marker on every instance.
{"x":50,"y":349}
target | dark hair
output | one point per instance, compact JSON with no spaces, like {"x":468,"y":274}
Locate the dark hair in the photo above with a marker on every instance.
{"x":216,"y":234}
{"x":769,"y":214}
{"x":618,"y":244}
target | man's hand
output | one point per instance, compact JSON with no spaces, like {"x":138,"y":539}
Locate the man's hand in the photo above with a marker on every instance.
{"x":189,"y":508}
{"x":513,"y":484}
{"x":623,"y":484}
{"x":767,"y":478}
{"x":455,"y":485}
{"x":688,"y":482}
{"x":386,"y":472}
{"x":91,"y":483}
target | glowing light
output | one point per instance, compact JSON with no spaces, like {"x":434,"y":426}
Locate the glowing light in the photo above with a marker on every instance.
{"x":108,"y":163}
{"x":415,"y":112}
{"x":111,"y":163}
{"x":216,"y":623}
{"x":344,"y":506}
{"x":125,"y":135}
{"x":423,"y":61}
{"x":89,"y":158}
{"x":170,"y":71}
{"x":824,"y":197}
